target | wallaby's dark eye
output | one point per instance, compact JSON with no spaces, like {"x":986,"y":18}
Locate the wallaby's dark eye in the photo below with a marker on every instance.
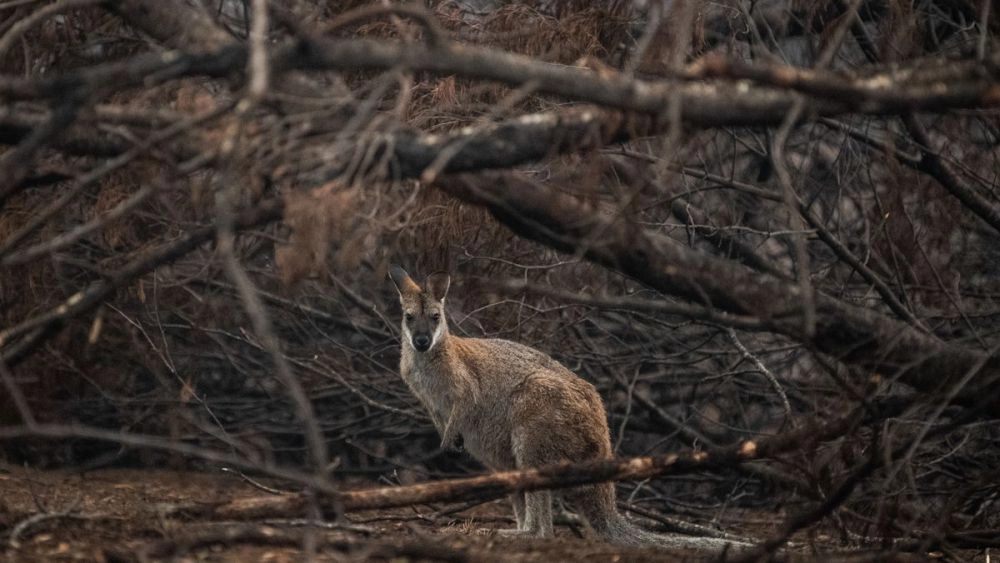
{"x":436,"y":317}
{"x":408,"y":317}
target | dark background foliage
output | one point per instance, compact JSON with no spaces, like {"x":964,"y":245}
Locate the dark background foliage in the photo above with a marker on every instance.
{"x":884,"y":205}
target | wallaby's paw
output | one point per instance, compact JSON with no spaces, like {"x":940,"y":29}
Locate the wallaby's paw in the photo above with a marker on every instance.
{"x":455,"y":444}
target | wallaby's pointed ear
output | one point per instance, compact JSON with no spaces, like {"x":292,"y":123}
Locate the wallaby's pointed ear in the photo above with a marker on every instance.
{"x":404,"y":283}
{"x":437,"y":284}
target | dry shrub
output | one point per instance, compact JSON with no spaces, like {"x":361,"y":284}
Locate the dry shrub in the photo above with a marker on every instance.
{"x":123,"y":233}
{"x":589,"y":32}
{"x":72,"y":39}
{"x":560,"y":32}
{"x":318,"y":218}
{"x":586,"y":36}
{"x":21,"y":287}
{"x":444,"y":92}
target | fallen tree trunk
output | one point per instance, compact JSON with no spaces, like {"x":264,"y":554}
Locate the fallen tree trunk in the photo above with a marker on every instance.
{"x":561,"y":475}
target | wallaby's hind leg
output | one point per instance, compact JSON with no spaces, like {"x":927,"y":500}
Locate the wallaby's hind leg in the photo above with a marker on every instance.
{"x":517,"y":501}
{"x":595,"y":505}
{"x":538,"y":513}
{"x":537,"y":516}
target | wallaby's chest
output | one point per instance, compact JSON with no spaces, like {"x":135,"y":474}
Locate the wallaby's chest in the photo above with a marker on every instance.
{"x":432,"y":385}
{"x":484,"y":423}
{"x":425,"y":377}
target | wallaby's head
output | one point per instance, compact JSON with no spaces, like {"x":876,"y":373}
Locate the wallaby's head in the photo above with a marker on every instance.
{"x":423,"y":308}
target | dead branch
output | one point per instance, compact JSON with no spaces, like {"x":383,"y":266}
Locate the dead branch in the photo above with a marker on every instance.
{"x":567,"y":474}
{"x":19,"y":340}
{"x":176,"y":24}
{"x":855,"y":335}
{"x":931,"y":163}
{"x":15,"y":163}
{"x":946,"y":85}
{"x":20,"y":27}
{"x":863,"y":90}
{"x":747,"y":322}
{"x":23,"y":526}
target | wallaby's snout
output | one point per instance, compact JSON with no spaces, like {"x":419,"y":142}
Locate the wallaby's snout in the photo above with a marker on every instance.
{"x":423,"y":308}
{"x":421,"y":342}
{"x":421,"y":331}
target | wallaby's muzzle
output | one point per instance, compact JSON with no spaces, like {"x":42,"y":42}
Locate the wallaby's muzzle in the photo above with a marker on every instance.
{"x":421,"y":342}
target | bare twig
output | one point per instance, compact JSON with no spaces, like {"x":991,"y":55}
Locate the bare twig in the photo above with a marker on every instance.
{"x":766,"y":373}
{"x":984,"y":29}
{"x":226,"y":201}
{"x":66,"y":239}
{"x":922,"y":87}
{"x":705,"y":314}
{"x":16,"y":395}
{"x":23,"y":25}
{"x":15,"y":163}
{"x":40,"y":217}
{"x":801,"y":263}
{"x":654,"y":16}
{"x":92,"y":296}
{"x":932,"y":164}
{"x":258,"y":66}
{"x":254,"y":483}
{"x":808,"y":517}
{"x":14,"y":538}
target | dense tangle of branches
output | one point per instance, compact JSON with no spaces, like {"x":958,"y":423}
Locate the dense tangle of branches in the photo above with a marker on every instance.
{"x":737,"y":220}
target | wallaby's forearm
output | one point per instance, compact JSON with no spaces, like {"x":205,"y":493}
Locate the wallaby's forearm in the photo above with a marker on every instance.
{"x":450,"y":433}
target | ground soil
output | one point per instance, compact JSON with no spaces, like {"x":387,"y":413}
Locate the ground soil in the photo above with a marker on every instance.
{"x":141,"y":515}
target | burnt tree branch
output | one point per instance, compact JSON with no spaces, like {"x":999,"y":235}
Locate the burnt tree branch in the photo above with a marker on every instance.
{"x":741,"y":94}
{"x":561,"y":475}
{"x":856,"y":335}
{"x":17,"y":341}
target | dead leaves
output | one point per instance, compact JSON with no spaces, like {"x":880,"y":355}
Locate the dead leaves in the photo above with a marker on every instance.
{"x":322,"y":220}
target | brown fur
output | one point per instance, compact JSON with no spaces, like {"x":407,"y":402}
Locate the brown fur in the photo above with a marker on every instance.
{"x":514,"y":407}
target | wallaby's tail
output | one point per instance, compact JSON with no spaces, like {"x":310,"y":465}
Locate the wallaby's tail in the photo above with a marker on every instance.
{"x":597,"y":504}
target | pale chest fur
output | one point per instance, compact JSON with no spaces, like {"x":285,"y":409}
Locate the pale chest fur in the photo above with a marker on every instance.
{"x":451,"y":392}
{"x":431,"y":386}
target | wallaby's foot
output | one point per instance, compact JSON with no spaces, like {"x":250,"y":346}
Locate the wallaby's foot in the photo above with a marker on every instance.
{"x":503,"y":532}
{"x":529,"y":531}
{"x":516,"y":533}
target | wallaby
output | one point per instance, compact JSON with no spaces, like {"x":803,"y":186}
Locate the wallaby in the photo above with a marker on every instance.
{"x":514,"y":407}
